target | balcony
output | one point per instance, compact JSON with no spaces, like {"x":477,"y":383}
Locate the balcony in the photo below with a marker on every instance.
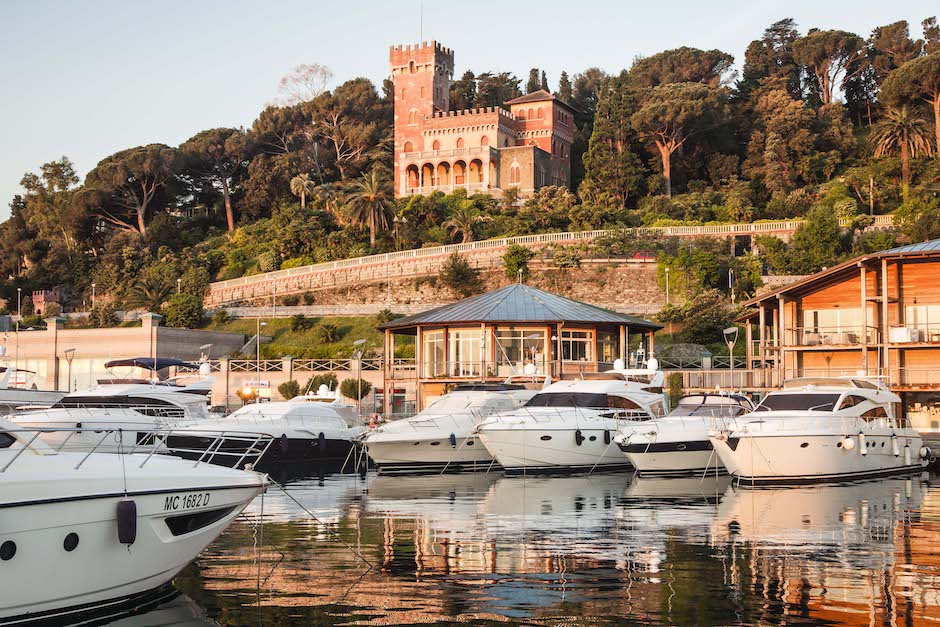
{"x":465,"y":153}
{"x":841,"y":336}
{"x":915,"y":334}
{"x":427,"y":189}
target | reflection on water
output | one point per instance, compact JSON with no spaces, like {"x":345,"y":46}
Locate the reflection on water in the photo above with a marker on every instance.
{"x":605,"y":549}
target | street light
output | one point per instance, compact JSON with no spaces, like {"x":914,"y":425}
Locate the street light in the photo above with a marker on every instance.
{"x":667,"y":285}
{"x":69,"y":355}
{"x":731,"y":336}
{"x":258,"y":357}
{"x":93,"y":285}
{"x":358,"y":353}
{"x":19,"y":317}
{"x":179,"y":286}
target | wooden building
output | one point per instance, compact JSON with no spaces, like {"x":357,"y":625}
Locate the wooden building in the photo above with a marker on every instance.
{"x":878,"y":314}
{"x":518,"y":331}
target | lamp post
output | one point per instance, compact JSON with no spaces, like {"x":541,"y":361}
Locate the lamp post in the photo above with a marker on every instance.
{"x":258,"y":359}
{"x":179,"y":286}
{"x":731,"y":337}
{"x":19,"y":317}
{"x":358,"y":353}
{"x":93,"y":285}
{"x":731,"y":284}
{"x":69,"y":355}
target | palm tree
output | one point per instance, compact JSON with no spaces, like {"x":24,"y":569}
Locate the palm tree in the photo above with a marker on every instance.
{"x":327,"y":194}
{"x":301,"y":185}
{"x":149,"y":293}
{"x":463,"y":219}
{"x":902,"y":130}
{"x":369,"y":203}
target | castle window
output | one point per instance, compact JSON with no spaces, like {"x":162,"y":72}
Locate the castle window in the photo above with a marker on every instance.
{"x":521,"y":114}
{"x":515,"y":173}
{"x":531,"y":113}
{"x":485,"y":141}
{"x":554,"y":148}
{"x":413,"y":116}
{"x":564,"y":151}
{"x":409,"y":147}
{"x":538,"y":113}
{"x":412,"y":174}
{"x":423,"y":92}
{"x":402,"y":94}
{"x":460,"y":142}
{"x":436,"y":145}
{"x":411,"y":67}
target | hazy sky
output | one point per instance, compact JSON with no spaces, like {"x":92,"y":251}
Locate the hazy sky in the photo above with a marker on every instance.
{"x":86,"y":79}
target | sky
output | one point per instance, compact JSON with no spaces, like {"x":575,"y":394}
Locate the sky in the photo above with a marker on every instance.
{"x":86,"y":79}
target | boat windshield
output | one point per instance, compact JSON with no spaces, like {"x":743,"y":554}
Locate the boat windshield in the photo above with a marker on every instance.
{"x":461,"y":404}
{"x":715,"y":410}
{"x":6,"y":440}
{"x":798,"y":402}
{"x":581,"y":399}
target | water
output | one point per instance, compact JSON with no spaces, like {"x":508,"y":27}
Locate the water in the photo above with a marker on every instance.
{"x":601,"y":550}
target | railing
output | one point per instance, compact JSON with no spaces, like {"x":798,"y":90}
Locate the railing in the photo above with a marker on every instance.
{"x":470,"y":187}
{"x":221,"y":447}
{"x":914,"y":334}
{"x":755,"y":228}
{"x":452,"y":152}
{"x":832,"y":336}
{"x":252,"y":365}
{"x":728,"y":379}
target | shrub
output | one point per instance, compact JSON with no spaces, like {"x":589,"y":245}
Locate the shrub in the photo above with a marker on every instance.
{"x":328,"y":333}
{"x":103,"y":316}
{"x":673,"y":388}
{"x":51,"y":309}
{"x":269,"y":261}
{"x":300,"y":323}
{"x":292,"y":300}
{"x":289,"y":389}
{"x":308,"y":298}
{"x":220,"y":316}
{"x":516,"y":259}
{"x":183,"y":311}
{"x":350,"y":388}
{"x":702,"y":317}
{"x":458,"y":275}
{"x":386,"y":315}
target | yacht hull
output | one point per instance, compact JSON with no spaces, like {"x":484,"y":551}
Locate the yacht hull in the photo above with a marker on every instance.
{"x":44,"y":580}
{"x":283,"y":451}
{"x":520,"y":450}
{"x":801,"y":458}
{"x":672,"y":458}
{"x":428,"y":453}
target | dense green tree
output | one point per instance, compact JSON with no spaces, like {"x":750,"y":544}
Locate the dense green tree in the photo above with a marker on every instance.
{"x":891,"y":47}
{"x":495,"y":89}
{"x":217,"y":156}
{"x":463,"y":92}
{"x":931,"y":35}
{"x":769,"y":62}
{"x":672,"y":114}
{"x":356,"y":389}
{"x":301,"y":186}
{"x":565,"y":90}
{"x":126,"y":186}
{"x":904,"y":131}
{"x":781,"y":142}
{"x":183,"y":311}
{"x":828,"y":55}
{"x":464,"y":220}
{"x":544,"y":82}
{"x":458,"y":275}
{"x":533,"y":83}
{"x":682,"y":65}
{"x":369,"y":203}
{"x":916,"y":80}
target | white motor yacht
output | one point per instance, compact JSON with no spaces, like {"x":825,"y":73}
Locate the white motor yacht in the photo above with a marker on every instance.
{"x":821,"y":429}
{"x":16,"y":392}
{"x":89,"y":532}
{"x":678,"y":443}
{"x":570,"y":425}
{"x":135,"y":407}
{"x":307,"y":430}
{"x":441,"y":437}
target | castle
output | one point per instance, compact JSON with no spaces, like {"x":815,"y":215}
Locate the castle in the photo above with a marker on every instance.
{"x":482,"y":150}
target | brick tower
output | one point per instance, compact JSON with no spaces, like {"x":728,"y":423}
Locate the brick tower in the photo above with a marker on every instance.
{"x":422,"y":74}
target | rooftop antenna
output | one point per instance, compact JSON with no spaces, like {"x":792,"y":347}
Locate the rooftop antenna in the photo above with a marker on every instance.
{"x":420,"y":20}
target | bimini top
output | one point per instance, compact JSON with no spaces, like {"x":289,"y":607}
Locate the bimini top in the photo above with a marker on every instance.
{"x":516,"y":303}
{"x":151,"y":363}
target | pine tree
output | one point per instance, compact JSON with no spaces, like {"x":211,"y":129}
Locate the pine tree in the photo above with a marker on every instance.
{"x":544,"y":81}
{"x":564,"y":88}
{"x":533,"y":83}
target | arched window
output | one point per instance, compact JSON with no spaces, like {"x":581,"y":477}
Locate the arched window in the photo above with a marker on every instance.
{"x":403,"y":94}
{"x":531,"y":113}
{"x":412,"y":173}
{"x":460,"y":142}
{"x":413,"y":116}
{"x":515,"y":173}
{"x":423,"y":92}
{"x":411,"y":67}
{"x":506,"y":143}
{"x":521,"y":114}
{"x":409,"y":147}
{"x":539,"y":113}
{"x":554,"y":147}
{"x":436,"y":145}
{"x":564,"y":151}
{"x":485,"y":141}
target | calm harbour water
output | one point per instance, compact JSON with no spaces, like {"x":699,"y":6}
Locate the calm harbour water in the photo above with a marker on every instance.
{"x":606,"y":549}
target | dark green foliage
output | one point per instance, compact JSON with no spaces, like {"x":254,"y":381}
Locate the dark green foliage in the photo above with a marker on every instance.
{"x":308,"y":298}
{"x":103,"y":316}
{"x":289,"y":389}
{"x":516,"y":261}
{"x":220,"y":316}
{"x":300,"y":322}
{"x":183,"y":311}
{"x":356,"y":389}
{"x":328,"y":333}
{"x":386,"y":315}
{"x":291,"y":300}
{"x":702,"y":317}
{"x":458,"y":275}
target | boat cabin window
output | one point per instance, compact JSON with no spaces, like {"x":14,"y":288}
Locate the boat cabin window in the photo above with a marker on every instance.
{"x":6,"y":440}
{"x":715,"y":410}
{"x":875,"y":413}
{"x":851,"y":400}
{"x":798,"y":402}
{"x":620,"y":402}
{"x":569,"y":399}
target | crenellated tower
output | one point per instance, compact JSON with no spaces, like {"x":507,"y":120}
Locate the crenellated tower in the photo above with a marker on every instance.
{"x":422,"y":75}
